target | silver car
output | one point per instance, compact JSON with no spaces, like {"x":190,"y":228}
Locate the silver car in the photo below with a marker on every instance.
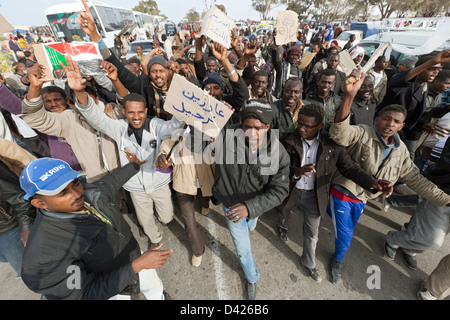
{"x":146,"y":44}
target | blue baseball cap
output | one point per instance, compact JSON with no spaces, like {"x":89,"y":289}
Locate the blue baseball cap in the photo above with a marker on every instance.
{"x":46,"y":176}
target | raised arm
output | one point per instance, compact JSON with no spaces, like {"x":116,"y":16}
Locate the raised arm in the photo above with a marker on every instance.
{"x":86,"y":21}
{"x":351,"y":89}
{"x":87,"y":107}
{"x":221,"y":54}
{"x":441,"y":58}
{"x":111,"y":71}
{"x":34,"y":113}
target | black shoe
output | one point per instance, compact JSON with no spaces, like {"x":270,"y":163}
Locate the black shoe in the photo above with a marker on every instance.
{"x":251,"y":291}
{"x":411,"y":261}
{"x":151,"y":245}
{"x":282,"y":234}
{"x":336,"y":271}
{"x":389,"y":251}
{"x":166,"y":296}
{"x":314,"y":274}
{"x":166,"y":225}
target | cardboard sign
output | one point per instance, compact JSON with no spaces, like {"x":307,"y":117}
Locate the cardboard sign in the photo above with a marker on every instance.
{"x":86,"y":54}
{"x":346,"y":62}
{"x":194,"y":106}
{"x":306,"y":59}
{"x":183,"y":33}
{"x":287,"y":27}
{"x":217,"y":26}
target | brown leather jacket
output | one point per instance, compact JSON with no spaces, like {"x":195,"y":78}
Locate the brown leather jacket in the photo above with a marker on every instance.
{"x":330,"y":157}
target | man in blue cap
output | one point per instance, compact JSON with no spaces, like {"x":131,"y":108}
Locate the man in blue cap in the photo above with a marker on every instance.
{"x":80,"y":246}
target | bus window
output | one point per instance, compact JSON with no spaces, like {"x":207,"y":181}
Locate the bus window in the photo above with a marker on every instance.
{"x":65,"y":25}
{"x":97,"y":23}
{"x":114,"y":20}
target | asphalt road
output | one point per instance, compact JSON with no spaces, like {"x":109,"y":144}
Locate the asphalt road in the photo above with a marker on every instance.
{"x":220,"y":276}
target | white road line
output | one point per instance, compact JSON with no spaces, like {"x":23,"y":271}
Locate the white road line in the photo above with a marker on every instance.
{"x":221,"y":282}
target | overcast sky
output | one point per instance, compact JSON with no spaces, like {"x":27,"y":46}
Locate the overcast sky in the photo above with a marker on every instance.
{"x":31,"y":12}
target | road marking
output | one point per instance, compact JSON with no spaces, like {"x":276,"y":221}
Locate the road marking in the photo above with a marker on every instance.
{"x":221,"y":283}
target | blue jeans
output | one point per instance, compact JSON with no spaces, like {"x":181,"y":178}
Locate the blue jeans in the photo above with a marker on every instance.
{"x":241,"y":240}
{"x":11,"y":249}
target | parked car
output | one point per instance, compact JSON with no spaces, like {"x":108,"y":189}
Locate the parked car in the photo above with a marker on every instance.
{"x":344,"y":36}
{"x":409,"y":38}
{"x":146,"y":44}
{"x":171,"y":29}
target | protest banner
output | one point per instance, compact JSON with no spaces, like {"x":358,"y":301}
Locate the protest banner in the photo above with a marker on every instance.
{"x":217,"y":26}
{"x":306,"y":59}
{"x":287,"y":27}
{"x":371,"y":61}
{"x":346,"y":62}
{"x":197,"y":108}
{"x":86,"y":55}
{"x":183,"y":33}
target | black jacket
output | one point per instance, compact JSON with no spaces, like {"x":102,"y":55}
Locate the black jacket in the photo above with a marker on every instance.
{"x":410,"y":95}
{"x":136,"y":84}
{"x":15,"y":211}
{"x":281,"y":117}
{"x":262,"y":185}
{"x":330,"y":157}
{"x":439,"y":172}
{"x":102,"y":252}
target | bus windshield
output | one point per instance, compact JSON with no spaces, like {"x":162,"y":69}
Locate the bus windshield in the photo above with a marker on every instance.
{"x":114,"y":19}
{"x":65,"y":25}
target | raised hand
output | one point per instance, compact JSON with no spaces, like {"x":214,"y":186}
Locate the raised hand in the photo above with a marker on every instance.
{"x":252,"y":47}
{"x":110,"y":69}
{"x":442,"y":57}
{"x":219,"y":52}
{"x":35,"y":74}
{"x":197,"y":30}
{"x":86,"y":21}
{"x":353,"y":82}
{"x":74,"y":79}
{"x":171,"y":68}
{"x":234,"y":39}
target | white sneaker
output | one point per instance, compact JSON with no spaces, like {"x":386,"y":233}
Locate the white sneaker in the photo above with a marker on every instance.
{"x":196,"y":261}
{"x":424,"y":294}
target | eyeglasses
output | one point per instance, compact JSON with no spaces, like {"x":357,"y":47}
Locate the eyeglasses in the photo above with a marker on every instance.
{"x":301,"y":125}
{"x":435,"y":68}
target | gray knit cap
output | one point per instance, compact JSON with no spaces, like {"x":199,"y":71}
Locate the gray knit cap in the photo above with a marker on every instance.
{"x":157,"y":59}
{"x":409,"y":62}
{"x":258,"y":108}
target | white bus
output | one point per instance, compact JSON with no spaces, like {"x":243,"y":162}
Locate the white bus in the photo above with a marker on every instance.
{"x":159,"y":23}
{"x":146,"y":25}
{"x":109,"y":20}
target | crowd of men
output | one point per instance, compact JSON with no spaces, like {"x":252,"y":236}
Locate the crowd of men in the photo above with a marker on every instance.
{"x":77,"y":154}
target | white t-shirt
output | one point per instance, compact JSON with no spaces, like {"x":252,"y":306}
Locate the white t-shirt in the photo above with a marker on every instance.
{"x":378,"y":77}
